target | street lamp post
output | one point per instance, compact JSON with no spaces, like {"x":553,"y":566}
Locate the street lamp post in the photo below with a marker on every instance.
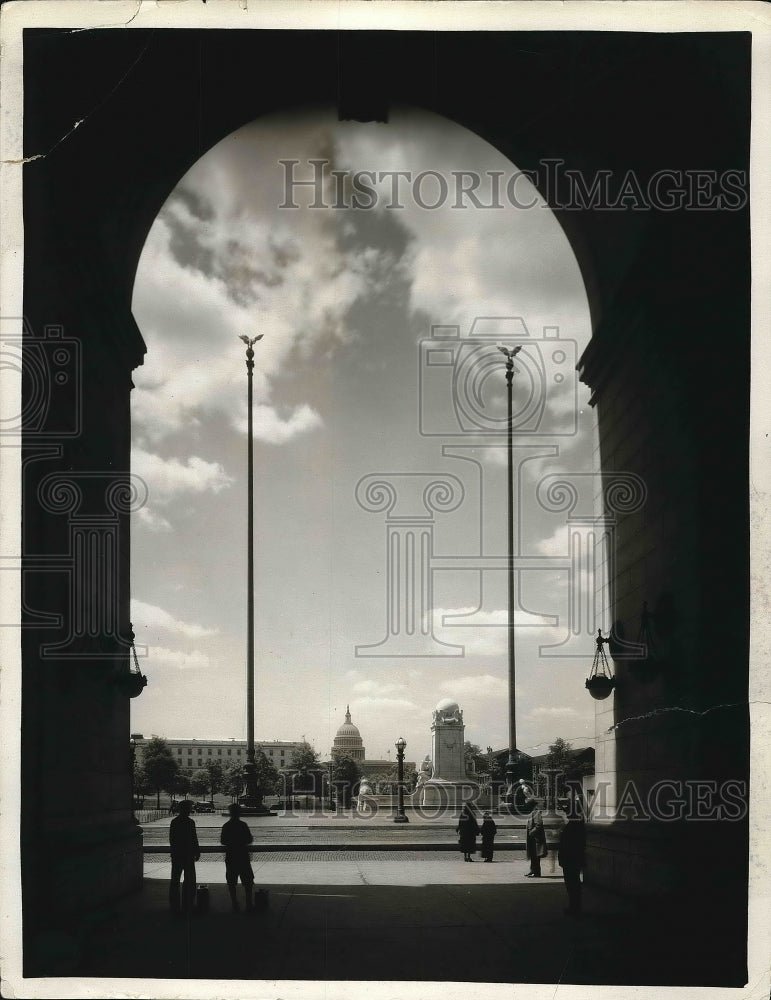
{"x":400,"y":816}
{"x":511,"y":763}
{"x":250,"y":800}
{"x":491,"y":766}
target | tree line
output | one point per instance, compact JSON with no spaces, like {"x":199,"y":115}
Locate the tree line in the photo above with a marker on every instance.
{"x":158,"y":771}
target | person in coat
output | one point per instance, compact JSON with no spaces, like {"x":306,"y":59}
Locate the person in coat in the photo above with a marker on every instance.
{"x":236,"y":836}
{"x":489,"y":830}
{"x":467,"y":831}
{"x":183,"y":844}
{"x":570,"y":855}
{"x":535,"y":839}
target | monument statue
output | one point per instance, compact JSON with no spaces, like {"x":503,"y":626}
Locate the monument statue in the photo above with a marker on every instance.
{"x":447,"y":784}
{"x":447,"y":713}
{"x":425,"y":772}
{"x":365,"y":796}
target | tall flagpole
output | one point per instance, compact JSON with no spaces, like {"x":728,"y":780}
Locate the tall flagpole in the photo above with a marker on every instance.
{"x":511,"y":763}
{"x":251,"y":799}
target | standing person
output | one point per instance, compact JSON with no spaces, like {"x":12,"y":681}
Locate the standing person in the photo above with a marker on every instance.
{"x":467,"y":831}
{"x":236,"y":837}
{"x":489,"y":830}
{"x":571,"y":854}
{"x":183,"y":842}
{"x":535,"y":837}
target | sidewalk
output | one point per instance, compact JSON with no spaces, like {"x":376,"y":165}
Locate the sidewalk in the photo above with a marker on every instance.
{"x":341,"y":831}
{"x":363,"y":867}
{"x":424,"y":916}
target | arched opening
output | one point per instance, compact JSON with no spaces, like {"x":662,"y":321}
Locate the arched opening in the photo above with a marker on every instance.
{"x":383,"y":264}
{"x":668,"y":284}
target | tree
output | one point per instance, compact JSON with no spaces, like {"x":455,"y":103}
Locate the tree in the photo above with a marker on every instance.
{"x":200,"y":783}
{"x":139,"y":783}
{"x":305,"y":760}
{"x":474,"y":759}
{"x":559,"y":753}
{"x":569,"y":770}
{"x":180,"y":785}
{"x":216,"y":777}
{"x":159,"y":767}
{"x":233,"y":779}
{"x":346,"y":771}
{"x":266,"y":774}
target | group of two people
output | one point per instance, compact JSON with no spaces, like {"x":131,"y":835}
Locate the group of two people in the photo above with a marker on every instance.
{"x":468,"y":830}
{"x":570,"y":852}
{"x":235,"y":837}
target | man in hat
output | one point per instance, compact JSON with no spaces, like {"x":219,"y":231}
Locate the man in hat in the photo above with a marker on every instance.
{"x":571,"y":855}
{"x":236,"y":837}
{"x":183,"y":842}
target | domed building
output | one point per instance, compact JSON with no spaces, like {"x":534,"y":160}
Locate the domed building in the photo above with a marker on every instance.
{"x":348,"y":739}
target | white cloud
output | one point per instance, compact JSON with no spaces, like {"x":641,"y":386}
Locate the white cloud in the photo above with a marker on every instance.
{"x":159,"y":655}
{"x":150,"y":616}
{"x":376,"y":688}
{"x":554,"y":711}
{"x":167,"y":477}
{"x":477,"y":686}
{"x":153,"y":521}
{"x":385,"y":704}
{"x":487,"y":634}
{"x":556,"y":545}
{"x":247,"y":268}
{"x":271,"y":428}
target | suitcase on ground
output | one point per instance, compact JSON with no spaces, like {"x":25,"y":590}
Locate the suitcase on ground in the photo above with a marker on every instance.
{"x":202,"y":898}
{"x":261,"y":899}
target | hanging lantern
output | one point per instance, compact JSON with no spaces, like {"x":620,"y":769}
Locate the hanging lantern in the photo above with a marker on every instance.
{"x":600,"y":682}
{"x":133,"y":682}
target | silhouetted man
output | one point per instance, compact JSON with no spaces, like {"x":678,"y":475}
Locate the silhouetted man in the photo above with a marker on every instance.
{"x":572,"y":849}
{"x":236,"y":837}
{"x":183,"y":841}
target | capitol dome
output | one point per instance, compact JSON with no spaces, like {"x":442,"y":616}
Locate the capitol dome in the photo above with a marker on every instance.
{"x":348,"y":738}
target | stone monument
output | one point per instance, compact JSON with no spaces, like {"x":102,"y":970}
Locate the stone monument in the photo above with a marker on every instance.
{"x":449,"y":784}
{"x":365,"y":800}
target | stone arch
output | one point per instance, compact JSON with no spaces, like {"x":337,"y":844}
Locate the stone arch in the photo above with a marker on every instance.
{"x":664,"y":288}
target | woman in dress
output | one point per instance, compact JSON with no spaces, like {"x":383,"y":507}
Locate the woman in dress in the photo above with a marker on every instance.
{"x":467,"y":831}
{"x":488,"y":836}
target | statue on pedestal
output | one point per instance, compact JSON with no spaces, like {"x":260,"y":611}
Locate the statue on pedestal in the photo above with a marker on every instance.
{"x":447,"y":784}
{"x":425,"y":772}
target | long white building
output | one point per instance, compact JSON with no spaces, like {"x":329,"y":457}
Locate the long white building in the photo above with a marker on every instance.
{"x":194,"y":754}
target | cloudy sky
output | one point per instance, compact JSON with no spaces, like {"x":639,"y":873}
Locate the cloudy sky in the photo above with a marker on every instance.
{"x":353,"y":381}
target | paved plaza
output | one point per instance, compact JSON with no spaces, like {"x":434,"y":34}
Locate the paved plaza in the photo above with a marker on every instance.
{"x":396,"y":911}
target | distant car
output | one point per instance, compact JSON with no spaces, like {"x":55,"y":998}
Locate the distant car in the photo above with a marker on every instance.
{"x":204,"y":807}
